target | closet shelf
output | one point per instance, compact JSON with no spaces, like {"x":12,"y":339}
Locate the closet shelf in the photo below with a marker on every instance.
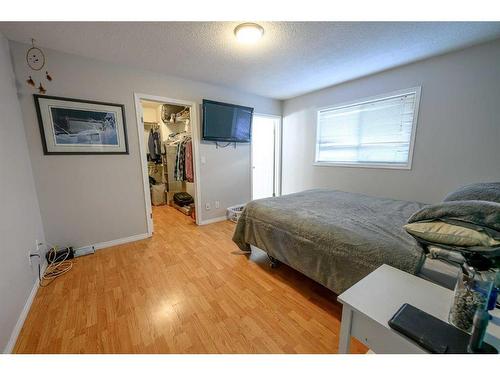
{"x":178,"y":122}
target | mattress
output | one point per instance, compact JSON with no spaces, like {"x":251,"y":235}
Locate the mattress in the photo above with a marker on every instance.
{"x":336,"y":238}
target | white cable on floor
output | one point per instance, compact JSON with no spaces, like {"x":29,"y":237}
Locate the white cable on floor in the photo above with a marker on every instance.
{"x":55,"y":268}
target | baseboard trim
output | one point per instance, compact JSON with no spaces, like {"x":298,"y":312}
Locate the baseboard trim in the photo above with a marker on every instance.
{"x":20,"y":321}
{"x":214,"y":220}
{"x":121,"y":241}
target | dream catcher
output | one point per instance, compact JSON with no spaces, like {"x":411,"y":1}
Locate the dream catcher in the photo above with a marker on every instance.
{"x":35,"y":59}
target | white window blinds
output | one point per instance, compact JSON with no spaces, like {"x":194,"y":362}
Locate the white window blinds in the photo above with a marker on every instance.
{"x":374,"y":132}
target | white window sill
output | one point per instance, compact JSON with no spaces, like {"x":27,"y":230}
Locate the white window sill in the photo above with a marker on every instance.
{"x":363,"y":165}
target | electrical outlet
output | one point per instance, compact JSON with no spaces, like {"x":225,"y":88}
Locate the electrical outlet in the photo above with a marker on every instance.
{"x":217,"y":204}
{"x":35,"y":253}
{"x":207,"y":206}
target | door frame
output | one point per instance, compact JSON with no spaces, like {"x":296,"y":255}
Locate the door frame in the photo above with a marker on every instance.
{"x":144,"y":162}
{"x":278,"y":136}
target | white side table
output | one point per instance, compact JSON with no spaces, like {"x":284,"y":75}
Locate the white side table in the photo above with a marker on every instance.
{"x":370,"y":304}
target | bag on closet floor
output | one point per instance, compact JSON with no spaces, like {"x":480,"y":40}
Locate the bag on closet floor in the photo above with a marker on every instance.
{"x":183,"y":199}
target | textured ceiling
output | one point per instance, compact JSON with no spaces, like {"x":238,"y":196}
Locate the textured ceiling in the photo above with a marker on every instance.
{"x":293,"y":57}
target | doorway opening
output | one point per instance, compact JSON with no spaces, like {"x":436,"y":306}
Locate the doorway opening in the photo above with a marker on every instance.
{"x":168,"y":146}
{"x":266,"y":156}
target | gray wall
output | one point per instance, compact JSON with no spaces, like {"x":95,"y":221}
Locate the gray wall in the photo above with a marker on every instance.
{"x":458,"y":132}
{"x":20,"y":222}
{"x":92,"y":198}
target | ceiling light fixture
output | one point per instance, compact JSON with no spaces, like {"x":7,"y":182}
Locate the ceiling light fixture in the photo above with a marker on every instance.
{"x":248,"y":32}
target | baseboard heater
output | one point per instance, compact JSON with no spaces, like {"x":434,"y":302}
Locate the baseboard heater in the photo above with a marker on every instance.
{"x":68,"y":253}
{"x":86,"y":250}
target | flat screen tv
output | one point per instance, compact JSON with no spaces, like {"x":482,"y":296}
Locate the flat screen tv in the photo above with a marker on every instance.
{"x":223,"y":122}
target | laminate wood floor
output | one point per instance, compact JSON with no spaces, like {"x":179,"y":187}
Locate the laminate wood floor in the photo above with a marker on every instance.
{"x":187,"y":290}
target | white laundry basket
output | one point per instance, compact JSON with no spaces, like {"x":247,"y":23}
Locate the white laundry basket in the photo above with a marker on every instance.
{"x":158,"y":195}
{"x":234,"y":212}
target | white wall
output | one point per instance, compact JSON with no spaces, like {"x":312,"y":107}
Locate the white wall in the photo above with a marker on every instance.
{"x":87,"y":199}
{"x":20,"y":222}
{"x":458,"y":132}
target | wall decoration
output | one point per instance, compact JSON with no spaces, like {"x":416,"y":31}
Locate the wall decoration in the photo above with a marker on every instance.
{"x":35,"y":58}
{"x":30,"y":81}
{"x":41,"y":89}
{"x":74,"y":126}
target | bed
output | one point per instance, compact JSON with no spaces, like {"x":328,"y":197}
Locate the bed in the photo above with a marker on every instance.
{"x":336,"y":238}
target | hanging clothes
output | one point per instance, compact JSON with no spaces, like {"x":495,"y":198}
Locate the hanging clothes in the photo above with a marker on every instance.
{"x":151,"y":145}
{"x":189,"y":161}
{"x":179,"y":161}
{"x":184,"y":161}
{"x":154,"y":146}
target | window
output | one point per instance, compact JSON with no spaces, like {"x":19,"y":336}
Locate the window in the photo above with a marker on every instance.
{"x":377,"y":132}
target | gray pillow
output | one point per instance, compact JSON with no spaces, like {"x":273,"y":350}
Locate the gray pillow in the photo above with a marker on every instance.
{"x":473,"y":214}
{"x":484,"y":191}
{"x":481,"y":216}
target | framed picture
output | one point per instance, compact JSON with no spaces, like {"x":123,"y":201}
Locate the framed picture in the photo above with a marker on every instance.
{"x":74,"y":126}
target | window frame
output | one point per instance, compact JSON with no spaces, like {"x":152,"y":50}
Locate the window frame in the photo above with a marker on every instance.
{"x":380,"y":165}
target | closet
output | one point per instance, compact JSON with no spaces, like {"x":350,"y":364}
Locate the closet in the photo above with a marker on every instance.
{"x":169,"y":148}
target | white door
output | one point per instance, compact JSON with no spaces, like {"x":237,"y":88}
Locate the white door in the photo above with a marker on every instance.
{"x":265,"y":156}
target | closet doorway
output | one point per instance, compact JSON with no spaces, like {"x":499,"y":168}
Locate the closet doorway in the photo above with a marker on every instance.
{"x":266,"y":156}
{"x":168,"y":143}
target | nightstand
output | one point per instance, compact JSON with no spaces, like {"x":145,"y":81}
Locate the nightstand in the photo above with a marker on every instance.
{"x":369,"y":304}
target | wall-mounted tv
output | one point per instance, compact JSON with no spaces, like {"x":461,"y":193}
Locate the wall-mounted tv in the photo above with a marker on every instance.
{"x":223,"y":122}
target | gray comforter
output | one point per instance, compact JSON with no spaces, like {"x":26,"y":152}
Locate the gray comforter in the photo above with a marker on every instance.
{"x":335,"y":238}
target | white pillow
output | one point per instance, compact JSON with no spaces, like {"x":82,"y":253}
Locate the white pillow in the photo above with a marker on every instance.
{"x":448,"y":234}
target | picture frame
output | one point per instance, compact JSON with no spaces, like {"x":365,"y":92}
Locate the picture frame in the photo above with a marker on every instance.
{"x":71,"y":126}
